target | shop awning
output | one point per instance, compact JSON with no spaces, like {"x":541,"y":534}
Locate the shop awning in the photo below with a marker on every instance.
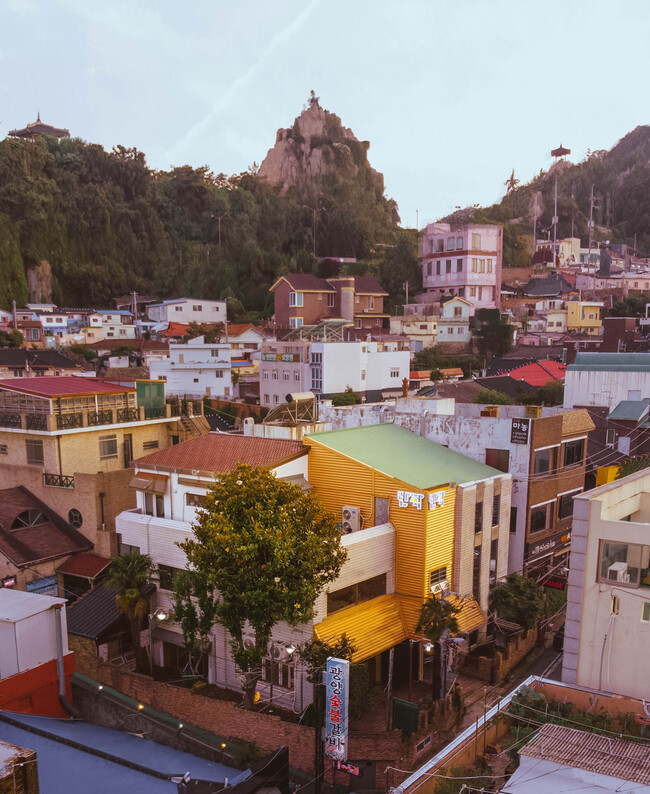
{"x":372,"y":627}
{"x":85,"y":565}
{"x":154,"y":483}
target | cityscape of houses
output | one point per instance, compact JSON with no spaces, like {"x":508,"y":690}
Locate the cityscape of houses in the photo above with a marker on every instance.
{"x":482,"y":455}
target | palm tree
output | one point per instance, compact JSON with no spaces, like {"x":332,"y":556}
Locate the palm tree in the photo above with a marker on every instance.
{"x":437,"y":620}
{"x":130,"y":575}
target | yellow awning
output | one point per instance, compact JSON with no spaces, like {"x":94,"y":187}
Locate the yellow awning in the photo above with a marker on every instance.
{"x":372,"y":627}
{"x":471,"y":615}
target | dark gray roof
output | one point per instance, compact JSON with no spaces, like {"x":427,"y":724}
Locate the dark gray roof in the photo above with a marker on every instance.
{"x":95,"y":614}
{"x":507,"y":385}
{"x":19,"y":357}
{"x":552,"y":286}
{"x":218,"y":423}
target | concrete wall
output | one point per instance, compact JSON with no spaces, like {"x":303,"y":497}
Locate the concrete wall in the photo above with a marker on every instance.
{"x":591,"y":387}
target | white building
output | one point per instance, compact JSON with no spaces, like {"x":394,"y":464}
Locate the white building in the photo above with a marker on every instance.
{"x":606,"y":379}
{"x":453,"y":321}
{"x":187,"y":310}
{"x":328,"y":368}
{"x":117,"y":323}
{"x":607,"y":634}
{"x":196,"y":369}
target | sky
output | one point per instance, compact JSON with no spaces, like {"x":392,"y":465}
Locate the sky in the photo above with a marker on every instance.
{"x":452,"y":95}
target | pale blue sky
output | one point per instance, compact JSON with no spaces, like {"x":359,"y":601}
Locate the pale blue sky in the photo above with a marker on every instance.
{"x":451,"y":95}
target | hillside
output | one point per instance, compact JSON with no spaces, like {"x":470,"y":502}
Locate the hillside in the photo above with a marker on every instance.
{"x":621,"y":180}
{"x":79,"y":224}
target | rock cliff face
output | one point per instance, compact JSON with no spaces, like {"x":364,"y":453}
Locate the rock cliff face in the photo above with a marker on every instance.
{"x":316,"y":145}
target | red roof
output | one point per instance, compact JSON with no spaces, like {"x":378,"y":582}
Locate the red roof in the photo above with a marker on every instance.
{"x":219,"y":452}
{"x":540,"y":372}
{"x":62,"y":386}
{"x":84,"y":564}
{"x":174,"y":330}
{"x":235,"y":329}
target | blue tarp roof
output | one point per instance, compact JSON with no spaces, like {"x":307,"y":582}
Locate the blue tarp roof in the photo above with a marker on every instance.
{"x":75,"y":771}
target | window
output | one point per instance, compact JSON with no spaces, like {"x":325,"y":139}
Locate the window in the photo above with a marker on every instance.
{"x":429,"y":268}
{"x":459,"y":266}
{"x":371,"y":303}
{"x":472,"y":292}
{"x":459,"y":243}
{"x":496,"y":509}
{"x":28,"y":518}
{"x":476,"y":242}
{"x":451,"y":243}
{"x":438,"y":267}
{"x":218,"y":373}
{"x":448,"y":266}
{"x":286,"y":375}
{"x":265,"y":375}
{"x":296,"y":377}
{"x":565,"y":506}
{"x":275,"y":375}
{"x":108,"y":446}
{"x":498,"y":459}
{"x":458,"y":311}
{"x":34,"y":451}
{"x":476,"y":574}
{"x":437,"y":576}
{"x":3,"y":449}
{"x":645,"y":612}
{"x":196,"y":380}
{"x":544,"y":460}
{"x":624,"y":563}
{"x":197,"y":308}
{"x":154,"y":505}
{"x":441,"y":244}
{"x":276,"y":399}
{"x":267,"y":399}
{"x":356,"y":593}
{"x":513,"y":520}
{"x":330,"y":300}
{"x":478,"y":517}
{"x":295,"y":298}
{"x":363,"y":374}
{"x":574,"y":452}
{"x":316,"y":378}
{"x":166,"y":576}
{"x":280,"y":673}
{"x":178,"y":308}
{"x":316,"y":358}
{"x":382,"y":510}
{"x":150,"y":445}
{"x":540,"y":518}
{"x":295,"y":322}
{"x":394,"y":373}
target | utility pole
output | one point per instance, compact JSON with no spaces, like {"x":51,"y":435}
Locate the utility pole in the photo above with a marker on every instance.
{"x":591,"y":238}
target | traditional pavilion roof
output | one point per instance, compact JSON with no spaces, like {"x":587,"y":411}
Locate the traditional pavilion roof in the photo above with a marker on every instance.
{"x":37,"y":128}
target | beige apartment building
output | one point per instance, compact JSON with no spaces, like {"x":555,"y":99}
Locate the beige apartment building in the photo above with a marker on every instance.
{"x":71,"y":442}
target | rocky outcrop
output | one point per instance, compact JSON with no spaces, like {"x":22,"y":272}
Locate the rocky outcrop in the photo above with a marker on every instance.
{"x":316,"y":145}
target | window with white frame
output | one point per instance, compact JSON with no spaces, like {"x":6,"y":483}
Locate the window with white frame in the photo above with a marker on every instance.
{"x":286,"y":375}
{"x":275,"y":375}
{"x":296,"y":376}
{"x":394,"y":373}
{"x":331,"y":297}
{"x":295,"y":322}
{"x":295,"y":299}
{"x":108,"y":446}
{"x":280,"y":673}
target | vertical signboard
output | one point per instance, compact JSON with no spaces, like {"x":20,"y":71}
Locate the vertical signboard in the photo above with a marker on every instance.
{"x":337,"y":695}
{"x":519,"y":431}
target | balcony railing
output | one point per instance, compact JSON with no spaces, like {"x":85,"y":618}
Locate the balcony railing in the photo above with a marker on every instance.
{"x":127,"y":414}
{"x":36,"y":421}
{"x":96,"y":418}
{"x":10,"y":420}
{"x":155,"y":413}
{"x":58,"y":480}
{"x":68,"y":421}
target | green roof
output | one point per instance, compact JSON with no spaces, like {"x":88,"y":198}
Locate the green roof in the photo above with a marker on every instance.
{"x":631,"y":410}
{"x":615,"y":362}
{"x":405,"y":456}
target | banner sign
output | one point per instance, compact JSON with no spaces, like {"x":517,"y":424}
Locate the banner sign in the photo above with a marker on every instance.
{"x":351,"y":769}
{"x":519,"y":431}
{"x":406,"y":498}
{"x":554,"y":582}
{"x":337,"y":695}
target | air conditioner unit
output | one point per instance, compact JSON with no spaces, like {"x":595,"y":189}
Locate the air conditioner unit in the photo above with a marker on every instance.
{"x":249,"y":643}
{"x":351,"y":519}
{"x":279,"y":651}
{"x":440,"y":587}
{"x":617,"y":572}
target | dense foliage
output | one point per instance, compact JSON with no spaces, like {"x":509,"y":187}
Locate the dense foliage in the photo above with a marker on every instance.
{"x":518,"y":599}
{"x":107,"y":224}
{"x":261,"y":552}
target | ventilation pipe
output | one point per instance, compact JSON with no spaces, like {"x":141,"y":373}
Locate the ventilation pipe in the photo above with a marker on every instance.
{"x":58,"y":625}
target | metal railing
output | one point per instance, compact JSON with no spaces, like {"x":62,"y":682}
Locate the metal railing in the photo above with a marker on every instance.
{"x":127,"y":414}
{"x":10,"y":420}
{"x":36,"y":421}
{"x":58,"y":480}
{"x":155,"y":413}
{"x":67,"y":421}
{"x":100,"y":418}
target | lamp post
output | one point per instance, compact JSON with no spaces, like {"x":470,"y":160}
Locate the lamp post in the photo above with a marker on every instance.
{"x":159,"y":615}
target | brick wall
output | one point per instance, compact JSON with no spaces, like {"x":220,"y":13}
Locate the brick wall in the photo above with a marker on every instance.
{"x":20,"y":773}
{"x":495,"y":668}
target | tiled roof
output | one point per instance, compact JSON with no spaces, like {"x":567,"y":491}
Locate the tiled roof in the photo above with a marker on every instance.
{"x":539,"y":372}
{"x":506,"y":385}
{"x":221,"y":453}
{"x":85,"y":564}
{"x":599,"y":754}
{"x":552,"y":286}
{"x":19,"y":357}
{"x":404,"y":456}
{"x":368,"y":285}
{"x":62,"y":386}
{"x":94,"y":613}
{"x":174,"y":330}
{"x":135,"y":344}
{"x":51,"y":539}
{"x":235,"y":329}
{"x":306,"y":281}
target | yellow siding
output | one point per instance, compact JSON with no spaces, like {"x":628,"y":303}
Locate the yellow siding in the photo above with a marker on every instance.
{"x":439,"y":550}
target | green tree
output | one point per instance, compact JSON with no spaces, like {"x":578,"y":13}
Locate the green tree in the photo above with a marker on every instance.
{"x":195,"y":610}
{"x":437,"y":620}
{"x":11,"y":338}
{"x":131,"y":575}
{"x":315,"y":653}
{"x":211,"y":332}
{"x":632,"y":466}
{"x":518,"y":599}
{"x":348,"y":397}
{"x":13,"y":283}
{"x":493,"y":336}
{"x":492,"y":397}
{"x":264,"y":551}
{"x":551,"y":393}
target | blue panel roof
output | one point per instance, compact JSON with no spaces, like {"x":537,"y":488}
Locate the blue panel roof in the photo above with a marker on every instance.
{"x":615,"y":362}
{"x":75,"y":771}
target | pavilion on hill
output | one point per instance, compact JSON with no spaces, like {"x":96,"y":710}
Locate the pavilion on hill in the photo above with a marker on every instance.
{"x":37,"y":128}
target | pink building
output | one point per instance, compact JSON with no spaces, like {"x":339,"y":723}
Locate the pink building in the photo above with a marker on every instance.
{"x":463,"y":260}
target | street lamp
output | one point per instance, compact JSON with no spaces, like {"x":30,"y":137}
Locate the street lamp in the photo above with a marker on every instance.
{"x":155,"y":617}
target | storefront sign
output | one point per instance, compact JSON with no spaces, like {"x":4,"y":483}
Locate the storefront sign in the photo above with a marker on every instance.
{"x":436,"y":499}
{"x":406,"y":498}
{"x":337,"y":681}
{"x":9,"y":581}
{"x":519,"y":431}
{"x":351,"y":769}
{"x":554,"y":582}
{"x":46,"y":586}
{"x":553,"y":545}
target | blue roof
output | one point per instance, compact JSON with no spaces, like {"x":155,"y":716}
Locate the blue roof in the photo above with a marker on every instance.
{"x":611,"y":362}
{"x":77,"y":771}
{"x":632,"y":410}
{"x":113,"y":311}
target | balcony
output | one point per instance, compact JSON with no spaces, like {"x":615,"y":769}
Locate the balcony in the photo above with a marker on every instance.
{"x":127,"y":415}
{"x":69,"y":421}
{"x":58,"y":480}
{"x":10,"y":420}
{"x":96,"y":418}
{"x":36,"y":421}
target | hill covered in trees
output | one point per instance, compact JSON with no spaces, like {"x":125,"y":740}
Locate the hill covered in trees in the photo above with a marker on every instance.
{"x":80,"y":225}
{"x":621,"y":183}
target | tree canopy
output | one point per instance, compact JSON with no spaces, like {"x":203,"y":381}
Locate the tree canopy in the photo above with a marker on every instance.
{"x":262,"y":551}
{"x":518,"y":599}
